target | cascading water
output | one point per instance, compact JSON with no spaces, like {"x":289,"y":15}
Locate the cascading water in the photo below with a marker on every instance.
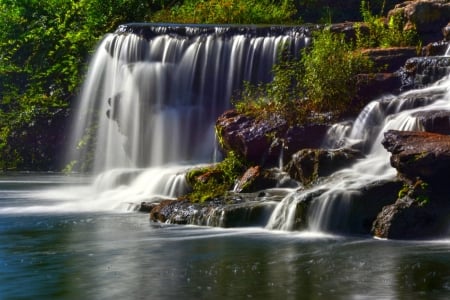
{"x":154,"y":92}
{"x":328,"y":203}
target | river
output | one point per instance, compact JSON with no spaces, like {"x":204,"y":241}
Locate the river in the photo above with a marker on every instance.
{"x":52,"y":248}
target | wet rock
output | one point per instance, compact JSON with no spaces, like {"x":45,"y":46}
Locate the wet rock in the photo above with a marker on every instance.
{"x":307,"y":165}
{"x":427,"y":17}
{"x":421,"y":155}
{"x":423,"y":71}
{"x":349,"y":29}
{"x":347,"y":211}
{"x":408,"y":218}
{"x":435,"y":48}
{"x":228,"y":211}
{"x":436,"y":121}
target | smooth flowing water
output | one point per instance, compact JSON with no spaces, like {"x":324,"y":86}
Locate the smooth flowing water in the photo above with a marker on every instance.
{"x":52,"y":250}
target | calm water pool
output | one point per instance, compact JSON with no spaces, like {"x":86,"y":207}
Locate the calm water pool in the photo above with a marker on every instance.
{"x":65,"y":253}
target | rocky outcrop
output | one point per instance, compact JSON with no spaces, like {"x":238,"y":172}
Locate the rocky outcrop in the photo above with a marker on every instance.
{"x":228,"y":211}
{"x":421,"y":155}
{"x":427,"y":17}
{"x":390,"y":59}
{"x":371,"y":86}
{"x":262,"y":141}
{"x":308,"y":165}
{"x":422,"y":209}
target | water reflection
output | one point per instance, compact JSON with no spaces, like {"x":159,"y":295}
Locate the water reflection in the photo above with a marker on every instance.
{"x":109,"y":256}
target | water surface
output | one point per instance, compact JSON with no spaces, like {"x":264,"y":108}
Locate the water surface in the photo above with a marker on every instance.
{"x":68,"y":254}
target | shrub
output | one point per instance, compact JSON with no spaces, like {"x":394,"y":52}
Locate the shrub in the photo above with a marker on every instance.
{"x":228,"y":11}
{"x":322,"y":80}
{"x":330,"y":68}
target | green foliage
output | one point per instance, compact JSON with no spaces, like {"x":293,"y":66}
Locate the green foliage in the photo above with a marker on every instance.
{"x":228,"y":11}
{"x":322,"y":80}
{"x":385,"y":33}
{"x":419,"y":191}
{"x":331,"y":66}
{"x":213,"y":181}
{"x":284,"y":95}
{"x":44,"y":47}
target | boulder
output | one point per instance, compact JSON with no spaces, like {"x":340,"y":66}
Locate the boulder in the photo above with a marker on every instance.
{"x":248,"y":137}
{"x":409,"y":218}
{"x":427,"y":17}
{"x":256,"y":179}
{"x":263,"y":141}
{"x":421,"y":155}
{"x":307,"y":165}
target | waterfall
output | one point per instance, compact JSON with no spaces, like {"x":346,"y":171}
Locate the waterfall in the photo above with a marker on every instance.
{"x":326,"y":207}
{"x":153,"y":93}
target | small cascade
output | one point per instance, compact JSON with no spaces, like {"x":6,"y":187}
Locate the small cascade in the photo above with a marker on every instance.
{"x":326,"y":207}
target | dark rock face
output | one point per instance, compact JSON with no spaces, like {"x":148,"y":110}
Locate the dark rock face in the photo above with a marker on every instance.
{"x":419,"y":154}
{"x":408,"y":219}
{"x":308,"y":165}
{"x":371,"y":86}
{"x":435,"y":48}
{"x":422,"y":209}
{"x":261,"y":141}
